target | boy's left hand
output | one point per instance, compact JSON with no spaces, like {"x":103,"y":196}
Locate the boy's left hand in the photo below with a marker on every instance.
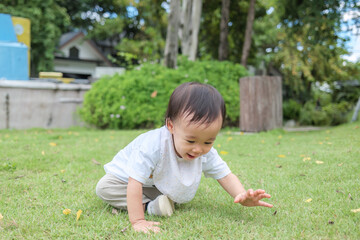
{"x":252,"y":198}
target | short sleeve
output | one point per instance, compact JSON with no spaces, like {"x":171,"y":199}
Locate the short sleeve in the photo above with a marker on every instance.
{"x":213,"y":166}
{"x":141,"y":164}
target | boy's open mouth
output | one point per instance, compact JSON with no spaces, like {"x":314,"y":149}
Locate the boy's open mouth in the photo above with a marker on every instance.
{"x":190,"y":156}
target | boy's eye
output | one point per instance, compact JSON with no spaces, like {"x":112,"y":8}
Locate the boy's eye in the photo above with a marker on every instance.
{"x":190,"y":141}
{"x":208,"y":143}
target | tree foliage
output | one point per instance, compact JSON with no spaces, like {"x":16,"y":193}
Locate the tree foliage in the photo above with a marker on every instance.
{"x":305,"y":43}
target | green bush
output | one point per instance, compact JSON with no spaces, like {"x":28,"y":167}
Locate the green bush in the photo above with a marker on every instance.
{"x":331,"y":114}
{"x":126,"y":101}
{"x":291,"y":109}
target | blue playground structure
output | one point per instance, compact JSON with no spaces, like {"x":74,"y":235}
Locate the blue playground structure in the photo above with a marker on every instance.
{"x":13,"y":54}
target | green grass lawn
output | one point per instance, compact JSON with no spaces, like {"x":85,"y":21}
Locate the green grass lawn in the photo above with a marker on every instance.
{"x":313,"y":177}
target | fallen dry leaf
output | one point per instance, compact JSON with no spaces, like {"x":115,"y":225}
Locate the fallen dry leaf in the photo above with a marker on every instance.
{"x":78,"y":214}
{"x":308,"y":200}
{"x":278,"y":166}
{"x":43,"y":153}
{"x":275,"y":213}
{"x":124,"y":229}
{"x":62,"y":170}
{"x":306,"y":159}
{"x":281,"y":156}
{"x":340,"y":164}
{"x":339,"y":191}
{"x":66,"y":211}
{"x":95,"y":162}
{"x":52,"y":144}
{"x":229,"y":139}
{"x":350,"y":197}
{"x":355,"y":210}
{"x":280,"y":137}
{"x":154,"y":93}
{"x":331,"y":222}
{"x":319,"y":162}
{"x":1,"y":216}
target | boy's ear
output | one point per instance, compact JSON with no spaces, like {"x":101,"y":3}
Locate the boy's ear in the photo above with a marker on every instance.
{"x":170,"y":125}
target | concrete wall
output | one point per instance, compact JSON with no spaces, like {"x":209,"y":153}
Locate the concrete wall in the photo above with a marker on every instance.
{"x":29,"y":104}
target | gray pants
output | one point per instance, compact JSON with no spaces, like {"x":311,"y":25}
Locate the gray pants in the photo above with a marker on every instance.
{"x":113,"y":191}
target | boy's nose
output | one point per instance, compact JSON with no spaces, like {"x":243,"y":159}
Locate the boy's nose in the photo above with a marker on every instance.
{"x":197,"y":150}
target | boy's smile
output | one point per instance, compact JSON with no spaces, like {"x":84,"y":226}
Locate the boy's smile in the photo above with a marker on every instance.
{"x":191,"y":140}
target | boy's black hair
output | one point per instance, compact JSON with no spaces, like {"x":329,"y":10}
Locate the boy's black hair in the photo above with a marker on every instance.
{"x":202,"y":101}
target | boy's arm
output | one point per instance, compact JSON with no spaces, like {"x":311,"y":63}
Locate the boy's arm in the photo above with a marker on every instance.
{"x":136,"y":209}
{"x":250,"y":198}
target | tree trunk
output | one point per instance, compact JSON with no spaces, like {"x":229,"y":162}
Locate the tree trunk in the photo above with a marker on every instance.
{"x":224,"y":31}
{"x":356,"y":111}
{"x":185,"y":29}
{"x":171,"y":47}
{"x":190,"y":24}
{"x":248,"y":32}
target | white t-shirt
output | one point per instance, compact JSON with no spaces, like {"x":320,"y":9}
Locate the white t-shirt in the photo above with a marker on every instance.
{"x":151,"y":159}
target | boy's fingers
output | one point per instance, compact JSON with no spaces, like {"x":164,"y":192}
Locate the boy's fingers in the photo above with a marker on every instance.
{"x":155,"y":229}
{"x":237,"y":198}
{"x":155,"y":223}
{"x":265,"y":195}
{"x":265,"y":204}
{"x":259,"y":191}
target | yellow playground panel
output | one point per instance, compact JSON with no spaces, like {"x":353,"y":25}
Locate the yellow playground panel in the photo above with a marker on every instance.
{"x":23,"y":32}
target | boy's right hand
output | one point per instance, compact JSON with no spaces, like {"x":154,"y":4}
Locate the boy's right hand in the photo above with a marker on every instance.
{"x":146,"y":226}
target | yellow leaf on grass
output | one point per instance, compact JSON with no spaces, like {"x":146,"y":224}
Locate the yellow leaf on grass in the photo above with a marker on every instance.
{"x":218,"y":145}
{"x":66,"y":211}
{"x":355,"y":210}
{"x":262,"y":141}
{"x":62,"y":170}
{"x":78,"y":213}
{"x":280,"y":137}
{"x":320,"y":143}
{"x":223,"y":152}
{"x":281,"y":156}
{"x":229,"y":139}
{"x":319,"y":162}
{"x":308,"y":200}
{"x":52,"y":144}
{"x":43,"y":153}
{"x":1,"y":216}
{"x":306,"y":159}
{"x":340,"y":164}
{"x":302,"y":155}
{"x":241,"y":133}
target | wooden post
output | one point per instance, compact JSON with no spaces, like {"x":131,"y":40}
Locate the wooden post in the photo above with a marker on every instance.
{"x":260,"y":103}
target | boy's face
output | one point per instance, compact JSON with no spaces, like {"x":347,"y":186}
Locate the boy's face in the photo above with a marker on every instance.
{"x":191,"y":140}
